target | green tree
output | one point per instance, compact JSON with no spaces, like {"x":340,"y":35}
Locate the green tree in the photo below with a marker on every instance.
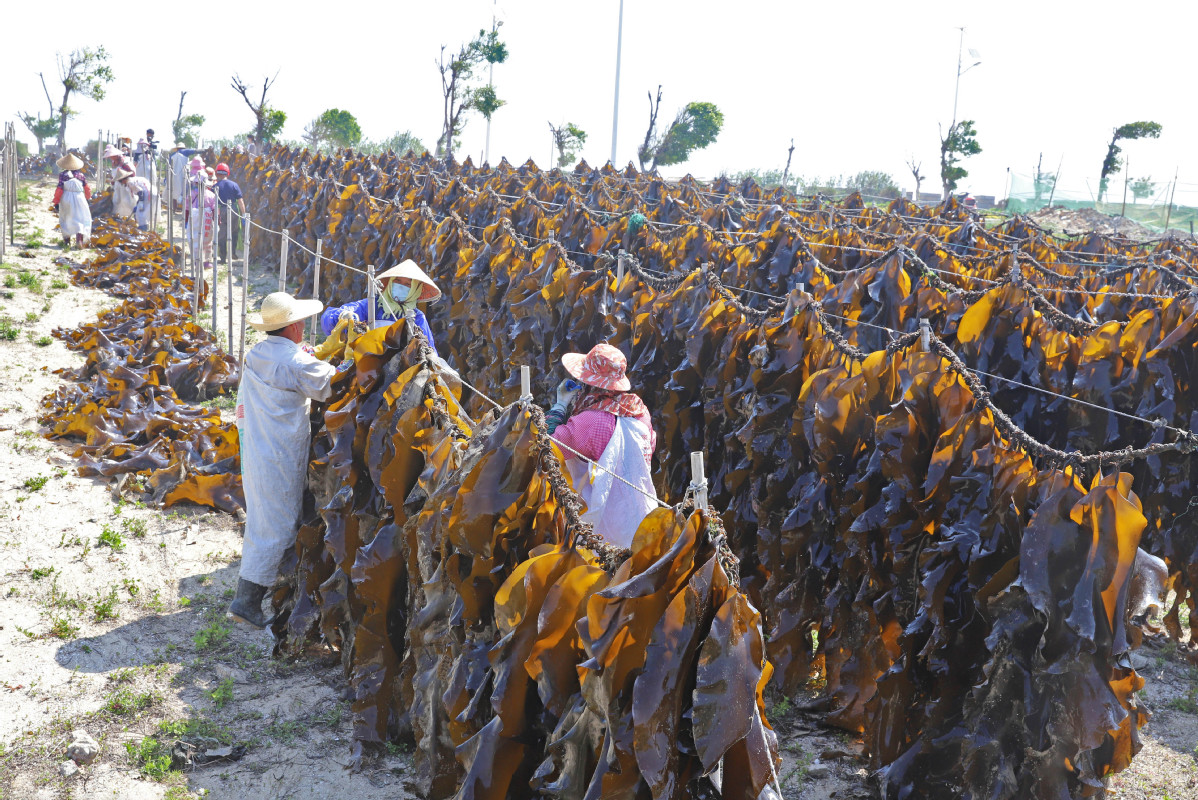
{"x":458,"y":93}
{"x":268,"y":121}
{"x":873,"y":183}
{"x":335,"y":128}
{"x":568,"y":140}
{"x":961,"y":143}
{"x":1141,"y":188}
{"x":84,"y":73}
{"x":185,"y":129}
{"x":1112,"y":163}
{"x":694,"y":127}
{"x":399,"y":142}
{"x":42,"y":129}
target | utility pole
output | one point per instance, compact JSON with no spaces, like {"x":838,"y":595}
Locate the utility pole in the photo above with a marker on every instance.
{"x":490,"y":83}
{"x":615,"y":114}
{"x":957,"y":87}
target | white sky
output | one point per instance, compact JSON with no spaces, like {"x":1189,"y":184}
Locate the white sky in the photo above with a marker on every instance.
{"x":858,"y":85}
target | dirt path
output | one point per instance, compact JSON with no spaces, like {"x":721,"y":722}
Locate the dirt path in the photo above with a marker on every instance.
{"x":127,"y":639}
{"x":113,"y":623}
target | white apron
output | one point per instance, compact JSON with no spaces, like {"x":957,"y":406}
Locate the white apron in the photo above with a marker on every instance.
{"x":74,"y":215}
{"x":179,"y":181}
{"x":124,"y":201}
{"x":272,"y":425}
{"x":613,"y":508}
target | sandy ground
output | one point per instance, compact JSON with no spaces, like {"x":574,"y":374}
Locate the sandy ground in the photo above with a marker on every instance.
{"x":130,"y":643}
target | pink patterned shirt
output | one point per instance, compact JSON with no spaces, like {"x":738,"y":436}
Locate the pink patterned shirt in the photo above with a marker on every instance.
{"x":589,"y":432}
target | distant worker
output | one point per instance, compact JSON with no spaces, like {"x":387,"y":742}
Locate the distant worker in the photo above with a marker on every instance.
{"x":180,"y":153}
{"x":277,"y":383}
{"x":136,"y":198}
{"x":70,"y":201}
{"x":144,"y":154}
{"x":597,"y":416}
{"x":199,"y":212}
{"x":403,"y":287}
{"x":229,"y":193}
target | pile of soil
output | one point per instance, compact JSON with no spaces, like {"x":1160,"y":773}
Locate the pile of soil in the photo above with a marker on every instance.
{"x":1071,"y":221}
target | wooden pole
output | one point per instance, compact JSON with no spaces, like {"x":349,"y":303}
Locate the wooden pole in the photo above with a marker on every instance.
{"x":229,"y":261}
{"x":245,"y":288}
{"x":283,"y":260}
{"x":100,"y":176}
{"x":370,"y":296}
{"x":316,"y":287}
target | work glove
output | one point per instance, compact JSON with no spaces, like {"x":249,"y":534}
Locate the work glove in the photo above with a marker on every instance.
{"x":348,"y":312}
{"x":566,"y":390}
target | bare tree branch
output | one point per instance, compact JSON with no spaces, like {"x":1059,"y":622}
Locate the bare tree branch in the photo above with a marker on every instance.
{"x":646,"y":148}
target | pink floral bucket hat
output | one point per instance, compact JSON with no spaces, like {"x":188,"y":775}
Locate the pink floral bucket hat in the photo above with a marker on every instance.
{"x":604,"y":367}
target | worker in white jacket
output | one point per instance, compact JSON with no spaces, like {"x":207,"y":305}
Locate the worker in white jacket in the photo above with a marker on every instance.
{"x":277,"y":383}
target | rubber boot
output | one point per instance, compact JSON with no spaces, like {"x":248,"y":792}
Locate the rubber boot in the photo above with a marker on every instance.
{"x":247,"y":604}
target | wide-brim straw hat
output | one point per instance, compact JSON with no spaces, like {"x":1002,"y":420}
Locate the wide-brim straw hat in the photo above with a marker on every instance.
{"x":410,"y":270}
{"x":70,"y":161}
{"x":179,"y":146}
{"x":111,"y":151}
{"x":279,"y":309}
{"x":604,"y":367}
{"x":121,"y":174}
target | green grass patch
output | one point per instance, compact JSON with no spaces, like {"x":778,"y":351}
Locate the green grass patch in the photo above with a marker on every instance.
{"x":8,"y":331}
{"x":37,"y":573}
{"x":35,"y":483}
{"x":151,"y":757}
{"x":213,"y":635}
{"x":43,"y":341}
{"x":134,"y":527}
{"x":111,"y":538}
{"x":63,"y":629}
{"x":104,"y":607}
{"x":126,"y":702}
{"x":223,"y":693}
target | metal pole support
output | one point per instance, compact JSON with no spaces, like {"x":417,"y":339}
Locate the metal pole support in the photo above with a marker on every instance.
{"x":620,"y":267}
{"x":925,"y":334}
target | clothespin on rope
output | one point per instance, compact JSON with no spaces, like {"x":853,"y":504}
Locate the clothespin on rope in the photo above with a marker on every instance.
{"x":698,"y":481}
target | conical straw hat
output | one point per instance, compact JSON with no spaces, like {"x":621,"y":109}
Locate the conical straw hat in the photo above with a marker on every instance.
{"x":408,"y":269}
{"x":69,"y":161}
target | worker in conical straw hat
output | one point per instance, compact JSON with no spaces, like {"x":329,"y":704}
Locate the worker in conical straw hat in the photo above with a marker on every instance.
{"x":70,"y":201}
{"x":598,"y":416}
{"x":133,"y":194}
{"x":278,"y":381}
{"x":117,"y":161}
{"x":403,"y":287}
